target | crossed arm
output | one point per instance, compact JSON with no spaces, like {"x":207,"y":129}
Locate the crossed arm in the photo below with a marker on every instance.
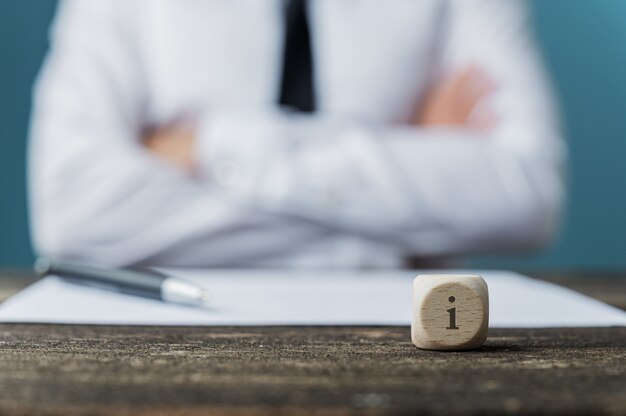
{"x":451,"y":102}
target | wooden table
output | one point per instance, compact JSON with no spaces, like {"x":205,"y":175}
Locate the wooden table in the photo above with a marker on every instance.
{"x":62,"y":369}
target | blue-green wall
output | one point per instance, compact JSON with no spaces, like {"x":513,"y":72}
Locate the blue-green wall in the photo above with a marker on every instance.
{"x":23,"y":35}
{"x":584,"y":47}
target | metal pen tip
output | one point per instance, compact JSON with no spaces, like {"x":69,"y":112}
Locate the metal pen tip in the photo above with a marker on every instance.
{"x":42,"y":266}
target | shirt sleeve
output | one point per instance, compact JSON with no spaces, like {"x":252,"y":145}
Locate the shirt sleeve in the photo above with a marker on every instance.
{"x":95,"y":194}
{"x":430,"y":192}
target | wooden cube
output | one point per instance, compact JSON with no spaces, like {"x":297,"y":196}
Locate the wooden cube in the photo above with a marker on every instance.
{"x":450,"y":311}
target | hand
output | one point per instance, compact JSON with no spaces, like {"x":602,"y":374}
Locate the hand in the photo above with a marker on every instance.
{"x":174,"y":143}
{"x":453,"y":101}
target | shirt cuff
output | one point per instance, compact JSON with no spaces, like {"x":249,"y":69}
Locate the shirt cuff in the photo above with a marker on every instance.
{"x":238,"y":150}
{"x":325,"y":170}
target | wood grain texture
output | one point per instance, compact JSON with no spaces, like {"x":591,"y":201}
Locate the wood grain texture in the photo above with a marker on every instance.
{"x":56,"y":369}
{"x":71,"y":370}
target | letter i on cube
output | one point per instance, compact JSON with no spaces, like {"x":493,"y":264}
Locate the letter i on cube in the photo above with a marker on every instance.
{"x":450,"y":311}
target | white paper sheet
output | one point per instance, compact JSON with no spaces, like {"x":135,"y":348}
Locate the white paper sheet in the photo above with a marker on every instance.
{"x":253,"y":297}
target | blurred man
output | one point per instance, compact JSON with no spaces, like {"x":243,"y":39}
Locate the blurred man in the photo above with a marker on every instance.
{"x":335,"y":133}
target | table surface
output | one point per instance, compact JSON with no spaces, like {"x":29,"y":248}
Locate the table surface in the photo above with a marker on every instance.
{"x":82,"y":369}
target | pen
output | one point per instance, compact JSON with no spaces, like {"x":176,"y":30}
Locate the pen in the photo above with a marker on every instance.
{"x":141,"y":282}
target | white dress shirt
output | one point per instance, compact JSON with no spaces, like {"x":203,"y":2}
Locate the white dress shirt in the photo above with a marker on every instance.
{"x":352,"y":185}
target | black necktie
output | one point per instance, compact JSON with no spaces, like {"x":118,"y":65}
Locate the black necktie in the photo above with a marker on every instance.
{"x":297,"y":79}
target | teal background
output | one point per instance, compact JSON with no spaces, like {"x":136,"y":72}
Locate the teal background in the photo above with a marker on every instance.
{"x":583,"y":45}
{"x":23,"y":41}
